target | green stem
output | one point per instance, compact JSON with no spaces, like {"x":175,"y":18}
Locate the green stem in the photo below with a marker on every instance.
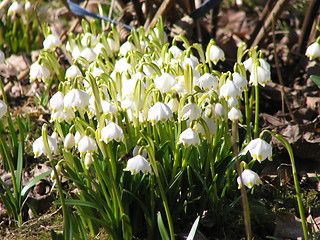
{"x":256,"y":112}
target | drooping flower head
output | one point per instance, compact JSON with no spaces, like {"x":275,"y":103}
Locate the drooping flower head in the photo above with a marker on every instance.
{"x":112,"y":132}
{"x":189,"y":137}
{"x":159,"y":112}
{"x":249,"y":178}
{"x":259,"y":149}
{"x":137,"y":164}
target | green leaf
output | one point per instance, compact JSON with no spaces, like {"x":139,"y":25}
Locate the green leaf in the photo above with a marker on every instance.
{"x":162,"y":228}
{"x":81,"y":203}
{"x":19,"y":167}
{"x":316,"y":79}
{"x":193,"y":229}
{"x":33,"y":182}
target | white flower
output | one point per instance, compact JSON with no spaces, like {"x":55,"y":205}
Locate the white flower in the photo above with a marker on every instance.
{"x":89,"y":40}
{"x":165,"y":83}
{"x":88,"y":54}
{"x":173,"y":104}
{"x":87,"y":144}
{"x":249,"y":64}
{"x":191,"y":111}
{"x":2,"y":57}
{"x":263,"y":76}
{"x":233,"y":102}
{"x":69,"y":141}
{"x":207,"y":82}
{"x":39,"y":149}
{"x":137,"y":164}
{"x":219,"y":110}
{"x":240,"y":81}
{"x":56,"y":102}
{"x":249,"y":178}
{"x":313,"y":51}
{"x":28,"y":6}
{"x":58,"y":168}
{"x":75,"y":52}
{"x":176,"y":52}
{"x":159,"y":112}
{"x":229,"y":89}
{"x":210,"y":124}
{"x":259,"y":149}
{"x":77,"y":137}
{"x":88,"y":159}
{"x":189,"y":137}
{"x":114,"y":47}
{"x":122,"y":65}
{"x":126,"y":47}
{"x":15,"y":8}
{"x":51,"y":42}
{"x":112,"y":132}
{"x":3,"y":108}
{"x":72,"y":72}
{"x":191,"y":61}
{"x":215,"y":54}
{"x":234,"y":114}
{"x":39,"y":72}
{"x":98,"y":48}
{"x":76,"y":99}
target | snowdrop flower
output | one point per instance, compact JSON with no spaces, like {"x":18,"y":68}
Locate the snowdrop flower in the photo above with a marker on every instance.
{"x":77,"y":137}
{"x":98,"y":48}
{"x":233,"y":102}
{"x":88,"y":159}
{"x":191,"y":111}
{"x":39,"y":72}
{"x":2,"y":57}
{"x":215,"y":54}
{"x":126,"y":47}
{"x":176,"y":52}
{"x":15,"y":8}
{"x":229,"y":89}
{"x":313,"y":51}
{"x":234,"y":114}
{"x":112,"y":132}
{"x":219,"y":110}
{"x":207,"y":82}
{"x":248,"y":64}
{"x":108,"y":107}
{"x":28,"y":6}
{"x":69,"y":141}
{"x":87,"y":144}
{"x":3,"y":108}
{"x":56,"y":102}
{"x":88,"y":54}
{"x":75,"y":52}
{"x":189,"y":137}
{"x":58,"y":168}
{"x":137,"y":164}
{"x":211,"y":126}
{"x":76,"y":99}
{"x":165,"y":83}
{"x":114,"y":47}
{"x":263,"y":76}
{"x":51,"y":42}
{"x":240,"y":81}
{"x":72,"y":72}
{"x":173,"y":104}
{"x":249,"y":179}
{"x":39,"y":149}
{"x":259,"y":149}
{"x":122,"y":65}
{"x":192,"y":61}
{"x":89,"y":40}
{"x":159,"y":112}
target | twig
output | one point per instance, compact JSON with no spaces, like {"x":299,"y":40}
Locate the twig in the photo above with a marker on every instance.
{"x":284,"y":97}
{"x":278,"y":8}
{"x":139,"y":13}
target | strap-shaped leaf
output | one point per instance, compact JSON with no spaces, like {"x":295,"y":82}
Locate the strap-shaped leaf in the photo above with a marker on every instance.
{"x":33,"y":182}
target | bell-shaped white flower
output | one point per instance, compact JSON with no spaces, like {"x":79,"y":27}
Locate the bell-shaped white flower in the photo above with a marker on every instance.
{"x":126,"y":47}
{"x":189,"y":137}
{"x":263,"y":76}
{"x":88,"y":159}
{"x":215,"y":54}
{"x":234,"y":114}
{"x":51,"y":42}
{"x":75,"y":52}
{"x":58,"y":168}
{"x":240,"y":81}
{"x":3,"y":108}
{"x":88,"y":54}
{"x":313,"y":51}
{"x":72,"y":72}
{"x":229,"y":89}
{"x":15,"y":8}
{"x":176,"y":52}
{"x":137,"y":164}
{"x":249,"y":179}
{"x":76,"y":99}
{"x":165,"y":83}
{"x":233,"y":102}
{"x":208,"y":82}
{"x":219,"y":110}
{"x":259,"y":149}
{"x":191,"y":111}
{"x":39,"y":149}
{"x":69,"y":141}
{"x":122,"y":65}
{"x":249,"y":64}
{"x":89,"y":40}
{"x":114,"y":47}
{"x":56,"y":102}
{"x":2,"y":57}
{"x":112,"y":132}
{"x":159,"y":112}
{"x":173,"y":104}
{"x":98,"y":49}
{"x":87,"y":144}
{"x":192,"y":61}
{"x":212,"y":127}
{"x":39,"y":72}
